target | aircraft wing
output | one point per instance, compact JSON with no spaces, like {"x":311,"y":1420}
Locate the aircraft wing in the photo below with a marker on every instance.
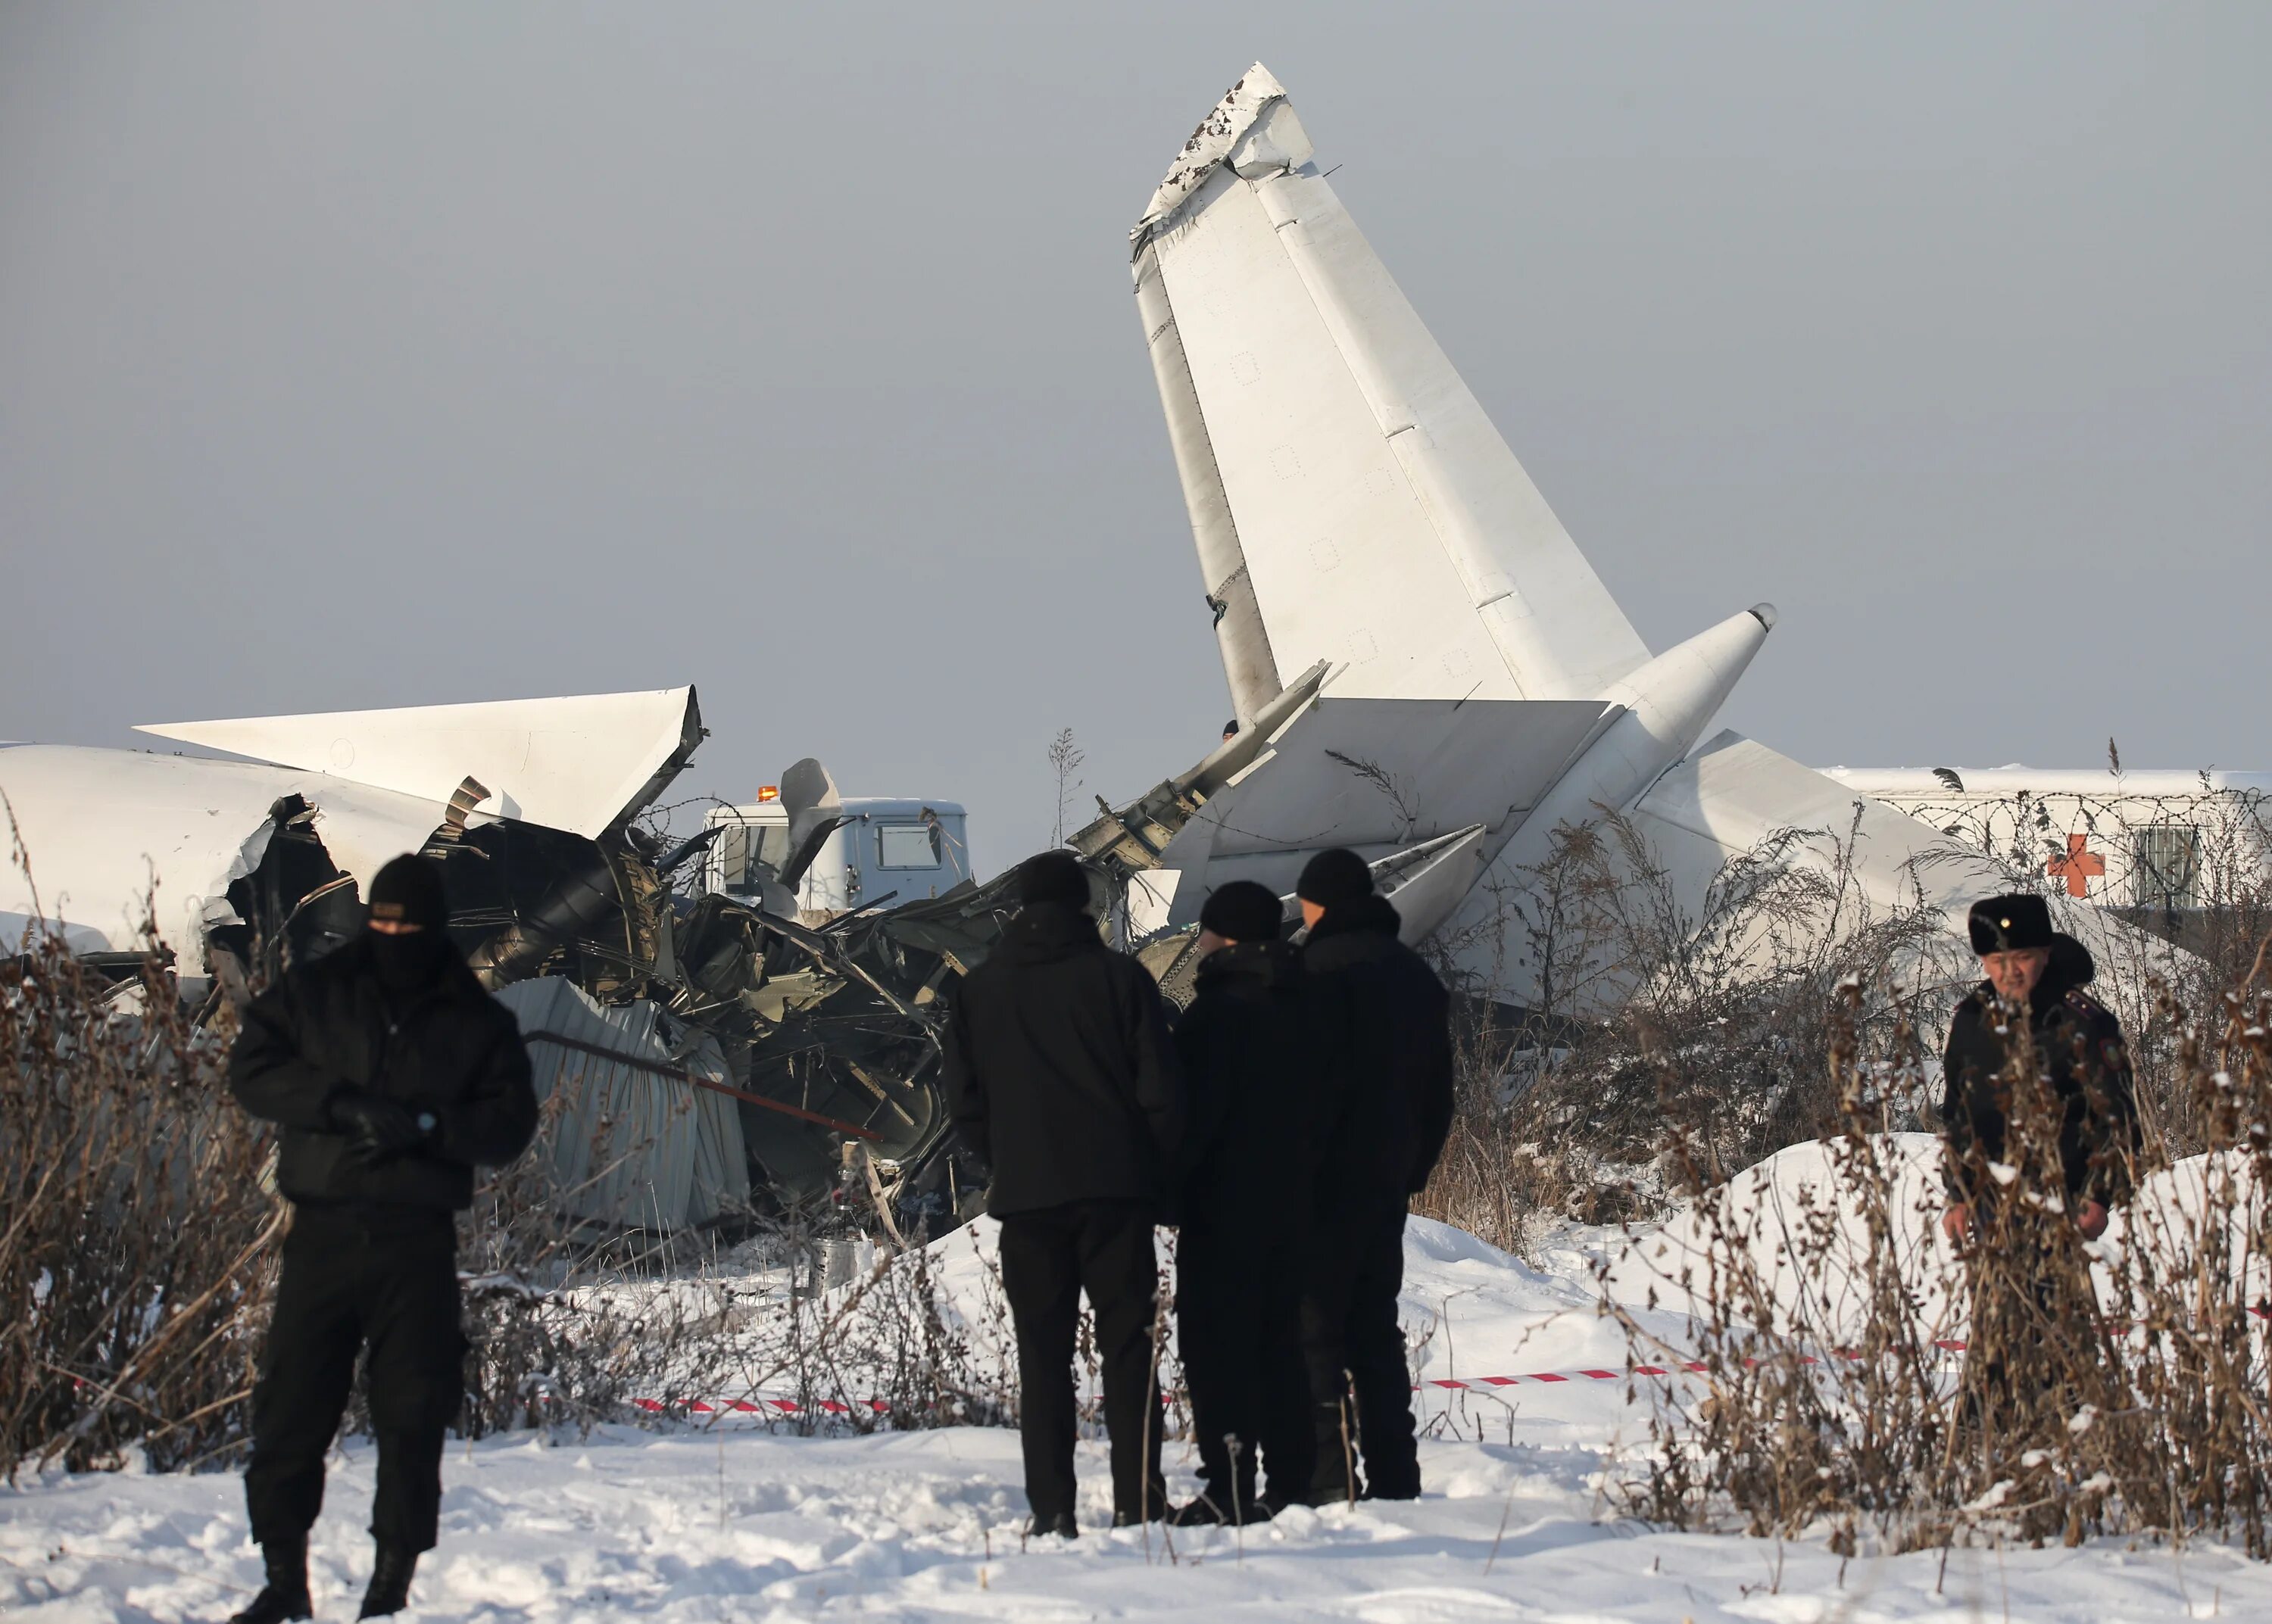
{"x":585,"y":764}
{"x":1349,"y":500}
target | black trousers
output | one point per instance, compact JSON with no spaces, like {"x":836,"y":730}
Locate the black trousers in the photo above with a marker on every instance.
{"x":1359,"y":1376}
{"x":2004,"y":1374}
{"x":1238,"y":1324}
{"x":1049,"y":1259}
{"x":346,"y":1283}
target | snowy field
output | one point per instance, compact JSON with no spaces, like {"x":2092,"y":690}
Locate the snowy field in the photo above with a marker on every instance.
{"x":734,"y":1522}
{"x":924,"y":1526}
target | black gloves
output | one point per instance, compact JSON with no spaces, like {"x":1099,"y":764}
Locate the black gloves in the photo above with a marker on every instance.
{"x":376,"y":1127}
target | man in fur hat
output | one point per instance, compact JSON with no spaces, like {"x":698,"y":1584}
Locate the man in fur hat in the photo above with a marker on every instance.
{"x":2033,"y":1010}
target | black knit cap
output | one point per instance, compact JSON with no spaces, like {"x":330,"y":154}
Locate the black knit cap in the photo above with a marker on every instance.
{"x":1053,"y":876}
{"x":1243,"y":911}
{"x":1335,"y":879}
{"x":409,"y":891}
{"x":2008,"y":924}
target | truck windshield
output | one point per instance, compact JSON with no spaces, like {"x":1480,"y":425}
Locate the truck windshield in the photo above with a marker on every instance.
{"x":908,"y":845}
{"x":745,"y":844}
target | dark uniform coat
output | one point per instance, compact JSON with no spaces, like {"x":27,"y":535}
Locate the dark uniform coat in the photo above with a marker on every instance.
{"x":1062,"y":1079}
{"x":2078,"y":1043}
{"x":1259,"y":1053}
{"x":1391,"y":1111}
{"x":1396,"y":1108}
{"x":447,"y":1047}
{"x":1060,"y":1072}
{"x":370,"y":1260}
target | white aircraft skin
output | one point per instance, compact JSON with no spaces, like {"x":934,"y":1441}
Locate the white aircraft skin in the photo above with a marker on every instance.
{"x":115,"y":841}
{"x":1356,"y":513}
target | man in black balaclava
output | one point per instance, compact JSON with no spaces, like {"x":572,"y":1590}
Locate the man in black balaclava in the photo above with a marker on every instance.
{"x":1391,"y":1113}
{"x":1256,"y":1051}
{"x":391,"y":1074}
{"x":1062,"y":1080}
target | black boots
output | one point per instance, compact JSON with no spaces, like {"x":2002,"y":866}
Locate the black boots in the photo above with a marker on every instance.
{"x":1061,"y":1525}
{"x":390,"y":1582}
{"x":285,"y":1596}
{"x":1205,"y":1511}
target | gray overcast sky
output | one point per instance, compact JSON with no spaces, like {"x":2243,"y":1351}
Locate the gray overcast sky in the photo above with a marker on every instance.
{"x":390,"y":355}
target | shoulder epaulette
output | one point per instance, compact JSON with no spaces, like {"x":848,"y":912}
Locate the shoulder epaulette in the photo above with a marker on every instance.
{"x":2083,"y":1004}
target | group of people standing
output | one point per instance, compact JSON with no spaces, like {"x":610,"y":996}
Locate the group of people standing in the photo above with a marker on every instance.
{"x":1281,"y":1123}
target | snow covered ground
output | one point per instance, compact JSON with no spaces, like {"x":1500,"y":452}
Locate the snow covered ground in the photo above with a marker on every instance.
{"x":924,"y":1526}
{"x":738,"y":1522}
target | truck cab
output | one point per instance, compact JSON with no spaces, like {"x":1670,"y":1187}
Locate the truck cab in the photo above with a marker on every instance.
{"x":887,"y":851}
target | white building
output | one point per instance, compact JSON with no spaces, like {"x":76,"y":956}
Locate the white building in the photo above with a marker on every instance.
{"x":2158,"y":840}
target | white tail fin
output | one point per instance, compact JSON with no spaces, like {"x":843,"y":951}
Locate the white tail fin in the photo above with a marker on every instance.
{"x":1349,"y":500}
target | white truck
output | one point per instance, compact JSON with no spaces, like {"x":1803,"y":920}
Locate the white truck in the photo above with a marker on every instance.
{"x":885,"y":851}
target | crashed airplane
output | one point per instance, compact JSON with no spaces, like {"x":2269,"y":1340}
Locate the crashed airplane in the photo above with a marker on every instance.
{"x":1423,"y":664}
{"x":736,"y":1052}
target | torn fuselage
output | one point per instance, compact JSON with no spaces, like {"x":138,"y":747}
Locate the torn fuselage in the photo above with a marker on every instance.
{"x":811,"y":1040}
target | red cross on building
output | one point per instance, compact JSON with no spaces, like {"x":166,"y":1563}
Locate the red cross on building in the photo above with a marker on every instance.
{"x":2079,"y":867}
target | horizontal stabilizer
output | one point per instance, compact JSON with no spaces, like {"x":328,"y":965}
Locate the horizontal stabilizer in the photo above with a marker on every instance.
{"x":1385,"y":773}
{"x":586,"y":764}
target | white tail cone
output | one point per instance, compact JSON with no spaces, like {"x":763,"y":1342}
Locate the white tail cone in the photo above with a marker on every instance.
{"x":1669,"y":703}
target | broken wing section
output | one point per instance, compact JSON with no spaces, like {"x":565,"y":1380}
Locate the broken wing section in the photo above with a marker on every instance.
{"x":1342,"y":479}
{"x":587,"y":764}
{"x":118,"y":841}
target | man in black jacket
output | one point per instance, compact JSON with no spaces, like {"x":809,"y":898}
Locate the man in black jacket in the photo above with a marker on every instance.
{"x":1254,"y":1048}
{"x":2035,"y":986}
{"x":2038,"y":1092}
{"x":1392,"y":1114}
{"x":1062,"y":1079}
{"x":393,"y":1074}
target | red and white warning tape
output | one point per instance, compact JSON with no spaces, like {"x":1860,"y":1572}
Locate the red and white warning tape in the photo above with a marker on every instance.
{"x":745,"y":1406}
{"x":830,"y":1406}
{"x":790,"y":1406}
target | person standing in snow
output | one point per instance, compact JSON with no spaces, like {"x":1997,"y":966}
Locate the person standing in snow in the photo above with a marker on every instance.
{"x":393,"y":1074}
{"x":1254,"y":1048}
{"x":2033,"y":1005}
{"x":1389,"y":1119}
{"x":2069,"y":1133}
{"x":1062,"y":1079}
